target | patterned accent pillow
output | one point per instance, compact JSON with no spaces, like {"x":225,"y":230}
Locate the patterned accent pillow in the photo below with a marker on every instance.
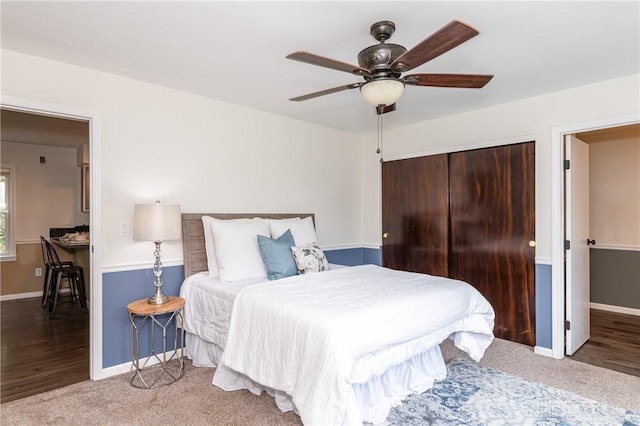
{"x":309,"y":259}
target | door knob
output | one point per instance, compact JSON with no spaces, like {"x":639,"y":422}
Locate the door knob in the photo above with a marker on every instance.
{"x":385,"y":235}
{"x":591,"y":242}
{"x":532,"y":243}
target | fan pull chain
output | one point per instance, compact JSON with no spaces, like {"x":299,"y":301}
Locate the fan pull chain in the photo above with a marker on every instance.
{"x":379,"y":150}
{"x":379,"y":134}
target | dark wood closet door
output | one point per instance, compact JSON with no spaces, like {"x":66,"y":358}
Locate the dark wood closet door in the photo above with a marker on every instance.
{"x":414,"y":214}
{"x":492,"y":217}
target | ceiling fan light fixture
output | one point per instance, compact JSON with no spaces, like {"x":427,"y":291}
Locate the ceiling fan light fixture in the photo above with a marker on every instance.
{"x":382,"y":91}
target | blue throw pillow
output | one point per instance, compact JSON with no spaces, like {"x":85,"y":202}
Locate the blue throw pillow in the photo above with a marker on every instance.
{"x":277,"y":256}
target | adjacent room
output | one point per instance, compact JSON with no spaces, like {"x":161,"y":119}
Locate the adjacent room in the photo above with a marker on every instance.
{"x":613,"y":265}
{"x":47,"y":159}
{"x":268,"y":213}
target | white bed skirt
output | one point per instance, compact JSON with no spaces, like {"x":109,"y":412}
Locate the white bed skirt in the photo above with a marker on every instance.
{"x":200,"y":352}
{"x":375,"y":398}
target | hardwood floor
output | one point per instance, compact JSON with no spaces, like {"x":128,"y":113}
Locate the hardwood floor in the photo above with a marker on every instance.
{"x":614,"y":342}
{"x":40,"y":354}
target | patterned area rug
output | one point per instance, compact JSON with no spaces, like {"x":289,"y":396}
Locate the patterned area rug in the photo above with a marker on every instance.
{"x":473,"y":394}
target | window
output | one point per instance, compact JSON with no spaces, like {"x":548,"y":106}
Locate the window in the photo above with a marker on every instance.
{"x":7,"y":213}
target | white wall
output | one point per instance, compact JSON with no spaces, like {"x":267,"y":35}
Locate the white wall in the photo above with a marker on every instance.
{"x":528,"y":119}
{"x":206,"y":155}
{"x":614,"y":178}
{"x":47,"y":195}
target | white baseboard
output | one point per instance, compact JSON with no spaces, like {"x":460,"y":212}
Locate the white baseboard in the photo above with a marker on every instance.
{"x":31,"y":294}
{"x":616,"y":247}
{"x":543,"y":351}
{"x":114,"y":371}
{"x":126,"y":367}
{"x":618,"y":309}
{"x":20,"y":296}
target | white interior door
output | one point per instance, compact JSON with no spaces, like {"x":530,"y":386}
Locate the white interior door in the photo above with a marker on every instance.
{"x":577,"y":232}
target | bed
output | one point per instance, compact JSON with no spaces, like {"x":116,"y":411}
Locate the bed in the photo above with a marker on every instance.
{"x":341,"y":346}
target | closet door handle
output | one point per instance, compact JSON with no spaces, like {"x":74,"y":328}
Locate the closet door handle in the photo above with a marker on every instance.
{"x":385,"y":235}
{"x":591,"y":242}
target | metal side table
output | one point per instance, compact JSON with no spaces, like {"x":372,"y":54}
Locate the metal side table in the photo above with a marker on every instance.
{"x":158,"y":368}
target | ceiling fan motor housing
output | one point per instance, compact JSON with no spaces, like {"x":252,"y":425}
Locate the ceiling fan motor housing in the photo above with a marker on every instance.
{"x":379,"y":57}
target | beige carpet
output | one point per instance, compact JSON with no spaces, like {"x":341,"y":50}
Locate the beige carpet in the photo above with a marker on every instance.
{"x":194,"y":401}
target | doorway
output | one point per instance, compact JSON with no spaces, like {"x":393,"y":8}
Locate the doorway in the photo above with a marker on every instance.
{"x":603,"y":297}
{"x":46,"y":156}
{"x":95,"y":218}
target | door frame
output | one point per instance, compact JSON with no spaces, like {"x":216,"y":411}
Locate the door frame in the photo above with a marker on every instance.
{"x":557,"y":219}
{"x":95,"y":214}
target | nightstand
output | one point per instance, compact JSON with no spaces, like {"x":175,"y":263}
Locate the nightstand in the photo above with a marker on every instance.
{"x":162,"y":366}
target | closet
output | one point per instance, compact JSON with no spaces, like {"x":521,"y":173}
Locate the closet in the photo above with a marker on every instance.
{"x":468,"y":215}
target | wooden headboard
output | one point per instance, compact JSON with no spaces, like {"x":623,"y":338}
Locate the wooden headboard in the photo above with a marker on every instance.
{"x":195,"y":255}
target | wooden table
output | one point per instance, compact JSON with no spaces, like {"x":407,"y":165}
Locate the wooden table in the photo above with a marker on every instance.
{"x":71,"y":245}
{"x":161,"y":366}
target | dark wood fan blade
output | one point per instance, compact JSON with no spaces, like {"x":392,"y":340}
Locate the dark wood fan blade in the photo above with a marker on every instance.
{"x":310,"y":58}
{"x":469,"y":81}
{"x":386,"y":109}
{"x":443,"y":40}
{"x":326,"y":92}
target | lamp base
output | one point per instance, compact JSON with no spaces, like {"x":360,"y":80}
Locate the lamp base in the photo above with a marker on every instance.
{"x":158,"y":299}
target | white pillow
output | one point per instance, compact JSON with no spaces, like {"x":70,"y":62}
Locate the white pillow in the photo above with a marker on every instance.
{"x":210,"y":247}
{"x":236,"y":246}
{"x":303,"y":232}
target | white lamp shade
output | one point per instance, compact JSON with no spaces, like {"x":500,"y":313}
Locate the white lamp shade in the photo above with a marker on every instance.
{"x":157,"y":222}
{"x":382,"y":91}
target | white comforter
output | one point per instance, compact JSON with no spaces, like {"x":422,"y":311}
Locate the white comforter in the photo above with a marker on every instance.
{"x":209,"y":304}
{"x":313,"y":336}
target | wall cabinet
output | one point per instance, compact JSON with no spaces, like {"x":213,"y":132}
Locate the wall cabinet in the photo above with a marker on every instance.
{"x":470,"y":216}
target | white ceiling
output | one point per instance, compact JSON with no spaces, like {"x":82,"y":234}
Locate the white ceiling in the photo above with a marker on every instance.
{"x":235,"y":51}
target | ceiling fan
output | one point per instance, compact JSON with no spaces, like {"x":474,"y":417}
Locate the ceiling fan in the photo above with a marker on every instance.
{"x":382,"y":64}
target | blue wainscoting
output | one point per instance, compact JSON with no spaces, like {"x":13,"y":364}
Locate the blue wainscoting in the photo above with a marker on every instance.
{"x":118,"y":290}
{"x":543,"y":306}
{"x":354,"y":256}
{"x":121,"y":288}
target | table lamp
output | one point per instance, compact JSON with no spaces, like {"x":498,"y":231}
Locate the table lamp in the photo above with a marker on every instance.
{"x":157,"y":222}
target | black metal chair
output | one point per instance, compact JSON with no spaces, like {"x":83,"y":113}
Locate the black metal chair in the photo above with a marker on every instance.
{"x":46,"y":285}
{"x":59,"y":270}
